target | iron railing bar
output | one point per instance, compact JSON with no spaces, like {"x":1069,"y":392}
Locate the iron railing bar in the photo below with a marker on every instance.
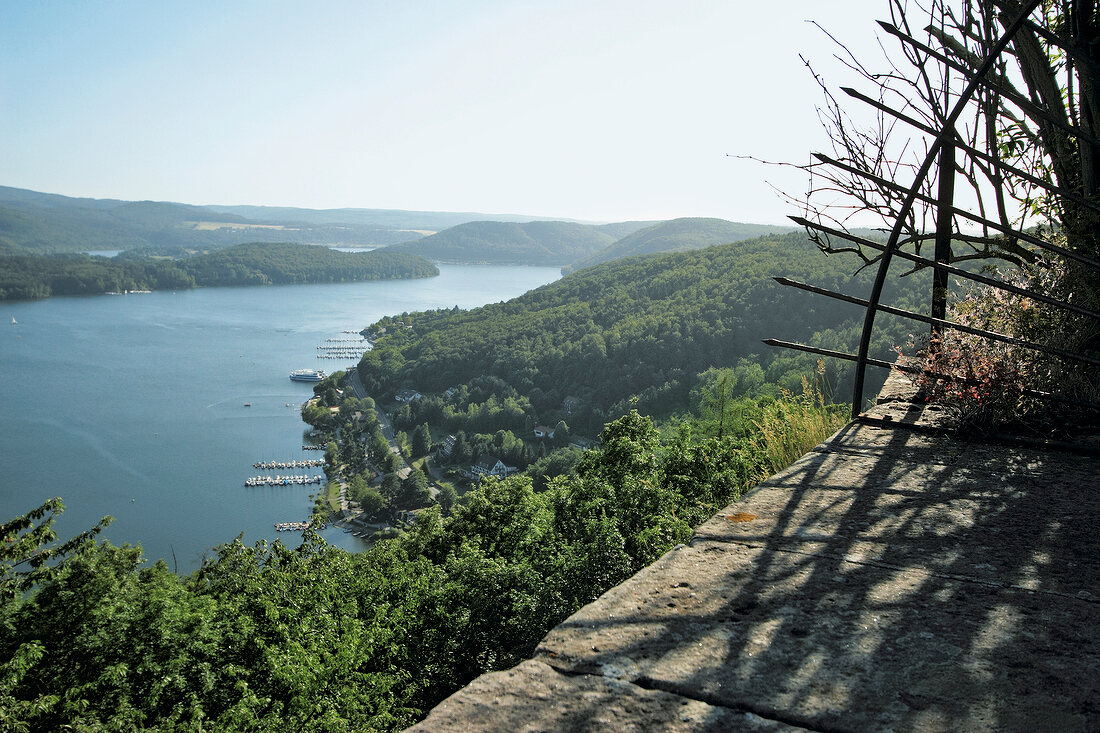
{"x":1015,"y":97}
{"x":943,"y":323}
{"x":825,"y":352}
{"x":949,"y":268}
{"x":1004,"y":229}
{"x":912,"y":121}
{"x":993,"y":160}
{"x":910,"y":198}
{"x":918,"y":370}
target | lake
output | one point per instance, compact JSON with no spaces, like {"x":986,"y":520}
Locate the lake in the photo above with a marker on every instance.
{"x":134,"y":405}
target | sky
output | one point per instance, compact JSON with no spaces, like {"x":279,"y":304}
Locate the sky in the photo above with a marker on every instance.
{"x":596,"y":110}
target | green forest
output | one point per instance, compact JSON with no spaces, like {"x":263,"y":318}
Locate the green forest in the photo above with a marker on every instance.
{"x":29,"y":277}
{"x":265,"y":637}
{"x":632,"y":332}
{"x":676,"y":235}
{"x":268,"y":637}
{"x":533,"y":243}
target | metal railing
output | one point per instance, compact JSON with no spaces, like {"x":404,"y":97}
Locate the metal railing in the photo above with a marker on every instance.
{"x":941,"y":159}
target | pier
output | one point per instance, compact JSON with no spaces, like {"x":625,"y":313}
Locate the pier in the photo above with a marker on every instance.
{"x":299,"y":480}
{"x":282,"y":465}
{"x":295,"y":526}
{"x":343,"y":348}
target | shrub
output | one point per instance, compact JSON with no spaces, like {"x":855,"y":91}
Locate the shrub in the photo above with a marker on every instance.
{"x":987,"y":384}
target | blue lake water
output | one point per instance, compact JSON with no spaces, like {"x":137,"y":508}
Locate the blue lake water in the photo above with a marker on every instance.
{"x":134,"y":405}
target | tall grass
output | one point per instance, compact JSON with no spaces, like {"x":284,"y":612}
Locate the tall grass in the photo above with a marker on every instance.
{"x":791,"y":426}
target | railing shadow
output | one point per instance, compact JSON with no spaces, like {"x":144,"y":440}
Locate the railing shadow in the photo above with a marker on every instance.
{"x":889,"y":580}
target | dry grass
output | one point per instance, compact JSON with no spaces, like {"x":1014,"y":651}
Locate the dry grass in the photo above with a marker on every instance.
{"x":791,"y":426}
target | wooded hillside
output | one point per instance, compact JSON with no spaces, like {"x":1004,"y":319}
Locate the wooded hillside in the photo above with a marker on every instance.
{"x":533,"y":243}
{"x":676,"y":235}
{"x":580,"y":348}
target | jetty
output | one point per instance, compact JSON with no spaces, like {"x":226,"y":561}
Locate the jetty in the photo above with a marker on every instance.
{"x":283,"y":465}
{"x":343,"y":348}
{"x":298,"y":480}
{"x":296,"y":526}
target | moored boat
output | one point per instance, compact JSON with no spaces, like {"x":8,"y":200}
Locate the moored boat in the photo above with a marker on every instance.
{"x":307,"y":375}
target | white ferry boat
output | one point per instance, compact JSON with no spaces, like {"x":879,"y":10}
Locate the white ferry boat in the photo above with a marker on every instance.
{"x":307,"y":375}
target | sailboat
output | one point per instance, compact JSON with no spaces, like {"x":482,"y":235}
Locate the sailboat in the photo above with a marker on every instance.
{"x":13,"y":321}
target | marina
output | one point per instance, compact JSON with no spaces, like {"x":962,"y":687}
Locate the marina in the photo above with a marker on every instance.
{"x":141,"y":418}
{"x":282,"y":465}
{"x":343,"y":348}
{"x":296,"y":526}
{"x":299,"y":480}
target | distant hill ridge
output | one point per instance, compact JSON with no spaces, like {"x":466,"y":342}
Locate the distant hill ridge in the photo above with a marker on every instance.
{"x":531,"y":243}
{"x":677,"y":235}
{"x":32,"y":222}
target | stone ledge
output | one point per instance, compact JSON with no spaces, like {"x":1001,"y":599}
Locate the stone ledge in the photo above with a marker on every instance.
{"x":533,"y":697}
{"x":888,"y":580}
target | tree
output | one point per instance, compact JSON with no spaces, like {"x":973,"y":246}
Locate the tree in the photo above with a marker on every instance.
{"x":461,"y":451}
{"x":391,"y":487}
{"x":447,"y":498}
{"x":421,"y":440}
{"x":26,"y":555}
{"x":1026,"y":144}
{"x":414,"y":492}
{"x":371,"y":502}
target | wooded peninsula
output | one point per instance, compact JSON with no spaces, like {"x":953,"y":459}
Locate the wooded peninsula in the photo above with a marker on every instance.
{"x":24,"y":277}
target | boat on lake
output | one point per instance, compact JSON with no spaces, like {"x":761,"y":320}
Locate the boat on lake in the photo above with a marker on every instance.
{"x":307,"y":375}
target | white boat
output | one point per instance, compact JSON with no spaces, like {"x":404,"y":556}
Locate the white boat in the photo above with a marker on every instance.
{"x":307,"y":375}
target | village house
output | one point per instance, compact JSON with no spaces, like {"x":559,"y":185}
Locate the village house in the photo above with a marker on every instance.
{"x":407,"y":395}
{"x":447,"y":446}
{"x":490,"y":466}
{"x":541,"y":431}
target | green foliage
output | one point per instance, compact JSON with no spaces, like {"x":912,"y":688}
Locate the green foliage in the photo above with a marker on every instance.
{"x":421,"y":440}
{"x":27,"y":556}
{"x":266,"y":263}
{"x":23,"y":277}
{"x":413,"y":493}
{"x":446,"y":499}
{"x":676,"y":235}
{"x":641,"y":327}
{"x":560,"y":462}
{"x":533,"y":243}
{"x":317,"y":639}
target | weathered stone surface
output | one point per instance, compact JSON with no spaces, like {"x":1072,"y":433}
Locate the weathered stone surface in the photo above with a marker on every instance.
{"x":830,"y":644}
{"x":892,"y":579}
{"x":534,"y":697}
{"x":1009,"y":516}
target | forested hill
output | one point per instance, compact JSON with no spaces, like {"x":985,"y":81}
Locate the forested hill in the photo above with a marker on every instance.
{"x":620,"y":229}
{"x":641,"y":326}
{"x":533,"y":243}
{"x":265,"y":263}
{"x":27,"y":277}
{"x":676,"y":235}
{"x":32,"y":222}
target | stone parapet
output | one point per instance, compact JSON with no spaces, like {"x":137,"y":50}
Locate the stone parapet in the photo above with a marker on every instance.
{"x":891,"y":579}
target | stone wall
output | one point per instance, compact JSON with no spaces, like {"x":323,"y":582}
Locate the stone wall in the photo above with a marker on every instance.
{"x":895,"y":578}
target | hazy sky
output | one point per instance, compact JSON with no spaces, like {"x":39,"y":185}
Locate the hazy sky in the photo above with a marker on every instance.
{"x":589,"y":109}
